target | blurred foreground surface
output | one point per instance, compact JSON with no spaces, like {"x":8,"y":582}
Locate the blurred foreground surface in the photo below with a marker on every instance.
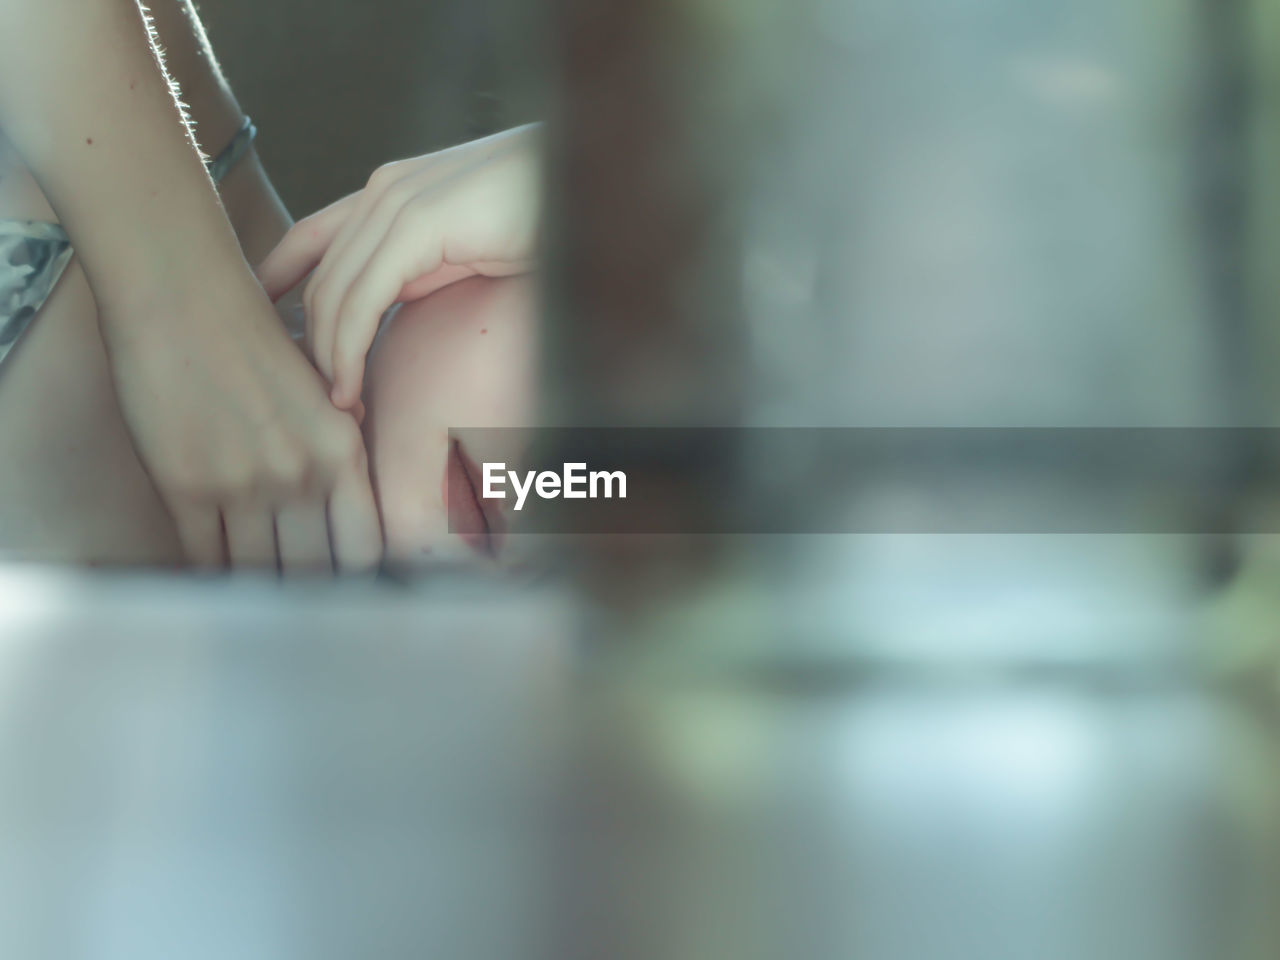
{"x":458,"y":770}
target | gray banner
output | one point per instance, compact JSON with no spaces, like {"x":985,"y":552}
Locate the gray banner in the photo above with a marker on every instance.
{"x":865,"y":480}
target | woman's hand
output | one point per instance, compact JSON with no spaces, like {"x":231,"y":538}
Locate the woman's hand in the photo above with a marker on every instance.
{"x":231,"y":422}
{"x":235,"y":429}
{"x":419,"y":225}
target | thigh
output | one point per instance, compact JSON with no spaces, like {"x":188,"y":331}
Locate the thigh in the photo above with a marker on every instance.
{"x":71,"y":487}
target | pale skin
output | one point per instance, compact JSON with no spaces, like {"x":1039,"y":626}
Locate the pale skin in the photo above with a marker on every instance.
{"x":74,"y":491}
{"x":231,"y":425}
{"x":72,"y":488}
{"x":434,"y":233}
{"x":419,"y":225}
{"x":461,"y":359}
{"x":72,"y":485}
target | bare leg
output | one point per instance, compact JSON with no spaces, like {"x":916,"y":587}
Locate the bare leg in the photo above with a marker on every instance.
{"x":71,"y":487}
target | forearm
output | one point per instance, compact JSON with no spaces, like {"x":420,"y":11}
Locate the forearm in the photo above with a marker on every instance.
{"x":212,"y":110}
{"x":255,"y":210}
{"x":85,"y":101}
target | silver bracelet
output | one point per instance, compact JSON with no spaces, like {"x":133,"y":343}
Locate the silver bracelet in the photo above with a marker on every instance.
{"x":230,"y":156}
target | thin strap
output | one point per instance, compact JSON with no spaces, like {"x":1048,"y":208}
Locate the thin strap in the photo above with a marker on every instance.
{"x":220,"y":165}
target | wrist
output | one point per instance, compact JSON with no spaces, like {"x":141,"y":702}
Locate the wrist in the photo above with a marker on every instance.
{"x":188,"y":304}
{"x":158,"y":270}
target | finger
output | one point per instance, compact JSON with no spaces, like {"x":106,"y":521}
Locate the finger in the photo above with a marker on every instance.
{"x":410,"y":249}
{"x":396,"y":189}
{"x":326,"y":288}
{"x":200,"y":533}
{"x":316,"y":331}
{"x":438,"y":279}
{"x":302,"y":247}
{"x":353,"y":523}
{"x":302,"y":534}
{"x":366,"y":227}
{"x":346,"y":257}
{"x":251,"y":536}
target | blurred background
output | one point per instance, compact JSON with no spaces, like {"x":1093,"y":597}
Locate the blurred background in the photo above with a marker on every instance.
{"x":338,"y":88}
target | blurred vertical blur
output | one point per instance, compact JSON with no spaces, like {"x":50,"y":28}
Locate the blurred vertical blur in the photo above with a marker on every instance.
{"x":854,"y":213}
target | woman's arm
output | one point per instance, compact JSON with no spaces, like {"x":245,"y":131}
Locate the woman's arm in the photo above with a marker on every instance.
{"x":84,"y":100}
{"x":232,"y":424}
{"x":255,"y":210}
